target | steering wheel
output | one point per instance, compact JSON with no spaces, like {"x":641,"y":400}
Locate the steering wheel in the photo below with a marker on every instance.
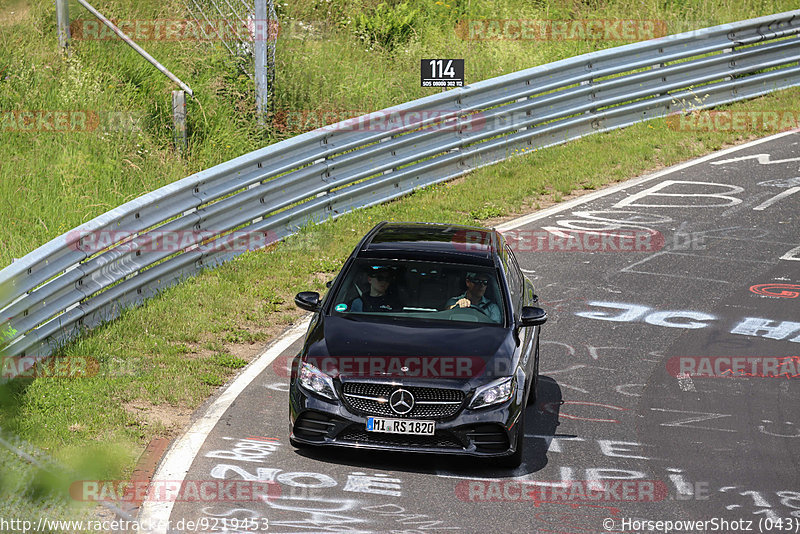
{"x":459,"y":312}
{"x":480,"y":310}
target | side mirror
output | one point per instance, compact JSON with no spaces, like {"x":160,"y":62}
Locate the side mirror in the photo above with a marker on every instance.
{"x":308,"y":300}
{"x":532,"y":316}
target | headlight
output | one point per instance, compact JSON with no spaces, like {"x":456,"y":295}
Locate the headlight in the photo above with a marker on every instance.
{"x":494,"y":392}
{"x":316,"y":381}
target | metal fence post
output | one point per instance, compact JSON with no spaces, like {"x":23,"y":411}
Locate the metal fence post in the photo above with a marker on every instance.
{"x":260,"y":35}
{"x":179,"y":119}
{"x":216,"y":20}
{"x":62,"y":16}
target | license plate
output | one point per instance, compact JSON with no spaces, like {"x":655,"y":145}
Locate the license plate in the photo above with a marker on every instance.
{"x":400,"y":426}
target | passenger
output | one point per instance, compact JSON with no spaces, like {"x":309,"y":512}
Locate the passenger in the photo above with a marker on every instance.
{"x":378,"y":299}
{"x":475,"y":297}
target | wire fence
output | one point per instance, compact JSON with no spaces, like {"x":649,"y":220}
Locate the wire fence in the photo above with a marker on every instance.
{"x":248,"y":29}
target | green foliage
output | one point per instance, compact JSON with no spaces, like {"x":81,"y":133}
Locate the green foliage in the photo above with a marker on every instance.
{"x":229,"y":360}
{"x":7,"y":333}
{"x":488,"y":211}
{"x":387,"y":26}
{"x":211,"y":379}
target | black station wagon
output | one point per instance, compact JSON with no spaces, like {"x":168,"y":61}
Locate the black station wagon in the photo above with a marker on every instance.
{"x":428,"y":341}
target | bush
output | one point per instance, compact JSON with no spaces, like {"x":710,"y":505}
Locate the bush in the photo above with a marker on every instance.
{"x":387,"y":26}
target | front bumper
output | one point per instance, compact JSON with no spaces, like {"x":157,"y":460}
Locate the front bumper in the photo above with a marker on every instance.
{"x":489,"y":432}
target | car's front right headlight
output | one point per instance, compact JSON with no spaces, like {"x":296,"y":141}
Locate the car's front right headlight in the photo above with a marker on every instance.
{"x":495,"y":392}
{"x":316,"y":381}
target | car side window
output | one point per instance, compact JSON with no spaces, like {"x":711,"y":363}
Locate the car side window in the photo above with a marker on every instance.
{"x":514,"y":279}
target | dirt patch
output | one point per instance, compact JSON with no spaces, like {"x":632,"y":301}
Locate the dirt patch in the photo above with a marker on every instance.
{"x":14,"y":14}
{"x":173,"y":418}
{"x":267,"y":333}
{"x":323,"y":277}
{"x":248,"y":351}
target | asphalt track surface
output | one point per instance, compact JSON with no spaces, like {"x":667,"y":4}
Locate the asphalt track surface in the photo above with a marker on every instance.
{"x":722,"y":279}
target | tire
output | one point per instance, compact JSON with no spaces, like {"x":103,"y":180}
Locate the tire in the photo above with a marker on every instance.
{"x":515,"y":460}
{"x":534,"y":378}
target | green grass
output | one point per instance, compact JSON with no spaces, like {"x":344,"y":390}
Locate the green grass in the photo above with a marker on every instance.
{"x":159,"y":362}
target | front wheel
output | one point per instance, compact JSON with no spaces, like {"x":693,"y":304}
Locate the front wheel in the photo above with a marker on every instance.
{"x":535,"y":377}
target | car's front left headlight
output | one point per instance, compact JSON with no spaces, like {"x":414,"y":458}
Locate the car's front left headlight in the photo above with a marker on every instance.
{"x":316,"y":381}
{"x":495,"y":392}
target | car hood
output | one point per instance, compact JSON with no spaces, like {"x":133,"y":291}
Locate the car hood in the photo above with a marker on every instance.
{"x":413,"y":353}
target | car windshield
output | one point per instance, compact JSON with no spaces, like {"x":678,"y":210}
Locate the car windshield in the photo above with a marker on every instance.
{"x":417,"y":290}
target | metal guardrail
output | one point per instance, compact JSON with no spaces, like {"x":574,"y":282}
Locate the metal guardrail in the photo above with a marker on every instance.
{"x":59,"y":289}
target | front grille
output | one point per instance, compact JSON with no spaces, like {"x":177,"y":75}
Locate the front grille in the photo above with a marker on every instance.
{"x":429,"y":403}
{"x":440,"y":440}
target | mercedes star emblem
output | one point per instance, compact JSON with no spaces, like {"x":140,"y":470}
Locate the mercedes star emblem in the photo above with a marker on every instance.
{"x":401,"y":401}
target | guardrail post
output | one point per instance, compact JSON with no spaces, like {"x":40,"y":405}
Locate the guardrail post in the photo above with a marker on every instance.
{"x":62,"y":16}
{"x":179,"y":120}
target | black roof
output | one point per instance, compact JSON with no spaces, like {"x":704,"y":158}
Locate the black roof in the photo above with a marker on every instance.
{"x":430,"y":241}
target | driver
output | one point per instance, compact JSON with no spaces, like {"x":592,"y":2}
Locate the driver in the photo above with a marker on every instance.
{"x":474,"y":297}
{"x":378,"y":299}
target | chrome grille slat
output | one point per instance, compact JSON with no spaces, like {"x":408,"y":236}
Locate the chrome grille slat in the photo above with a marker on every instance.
{"x":430,"y":403}
{"x":367,"y":397}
